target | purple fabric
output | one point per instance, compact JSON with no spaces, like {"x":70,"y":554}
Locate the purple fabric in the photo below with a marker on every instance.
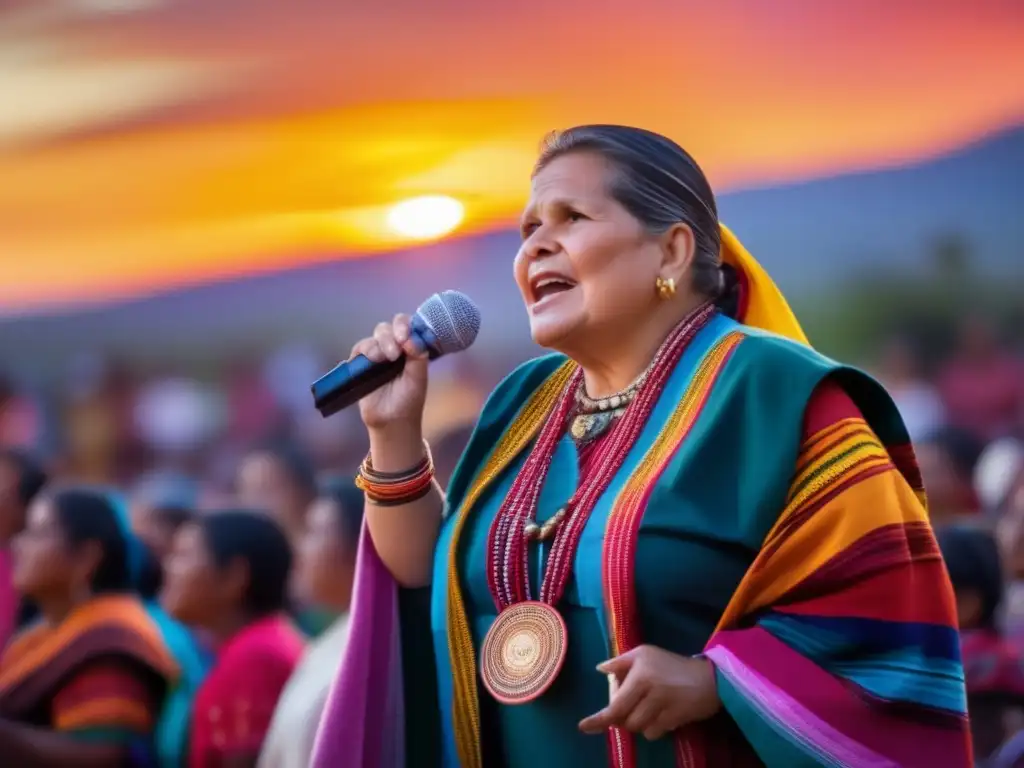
{"x":363,"y":724}
{"x":777,"y":666}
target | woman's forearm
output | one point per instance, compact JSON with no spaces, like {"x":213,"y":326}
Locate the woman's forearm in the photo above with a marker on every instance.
{"x":404,"y":536}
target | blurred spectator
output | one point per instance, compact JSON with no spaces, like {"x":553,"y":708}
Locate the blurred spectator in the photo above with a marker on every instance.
{"x":101,"y":445}
{"x":161,"y":504}
{"x":254,"y":414}
{"x":996,"y":473}
{"x":21,"y":422}
{"x":993,"y":667}
{"x":947,"y":458}
{"x":288,"y":373}
{"x":74,"y":561}
{"x":228,"y":576}
{"x":280,"y":479}
{"x":323,"y":578}
{"x":1011,"y":542}
{"x":982,"y":384}
{"x":21,"y":479}
{"x":916,"y":398}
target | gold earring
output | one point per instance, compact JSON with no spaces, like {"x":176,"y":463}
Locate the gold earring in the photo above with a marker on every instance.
{"x":666,"y":287}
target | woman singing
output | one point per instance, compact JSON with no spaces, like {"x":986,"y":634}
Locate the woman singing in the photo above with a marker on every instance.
{"x":686,"y":539}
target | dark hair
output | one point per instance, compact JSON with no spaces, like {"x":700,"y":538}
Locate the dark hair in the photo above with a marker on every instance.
{"x":151,"y":573}
{"x":296,"y":463}
{"x":349,"y":501}
{"x":89,"y":515}
{"x":972,"y":560}
{"x":660,"y":184}
{"x":31,"y":475}
{"x":258,"y":540}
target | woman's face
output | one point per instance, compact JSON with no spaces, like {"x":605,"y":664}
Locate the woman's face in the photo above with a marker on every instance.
{"x":326,"y":561}
{"x":43,"y":563}
{"x":941,"y":480}
{"x":586,"y":264}
{"x":193,"y":590}
{"x":263,"y":483}
{"x":12,"y":513}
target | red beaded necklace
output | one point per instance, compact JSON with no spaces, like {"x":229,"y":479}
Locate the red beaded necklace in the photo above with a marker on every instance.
{"x":524,"y":650}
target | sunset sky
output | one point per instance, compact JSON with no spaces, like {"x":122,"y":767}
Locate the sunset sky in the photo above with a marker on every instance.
{"x":192,"y":140}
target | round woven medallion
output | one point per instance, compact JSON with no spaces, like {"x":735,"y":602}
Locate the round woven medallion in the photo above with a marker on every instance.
{"x":523,"y":652}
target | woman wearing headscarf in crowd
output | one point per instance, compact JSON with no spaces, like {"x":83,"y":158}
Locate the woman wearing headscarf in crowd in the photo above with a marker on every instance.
{"x":687,"y":539}
{"x":84,"y":685}
{"x":228,"y":576}
{"x":21,"y":479}
{"x":322,"y":578}
{"x":993,"y":668}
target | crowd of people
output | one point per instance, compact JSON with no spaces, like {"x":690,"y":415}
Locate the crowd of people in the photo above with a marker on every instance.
{"x":146,"y":630}
{"x":157,"y":607}
{"x":968,"y":424}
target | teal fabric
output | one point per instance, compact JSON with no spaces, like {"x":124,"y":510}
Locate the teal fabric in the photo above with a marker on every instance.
{"x":504,"y":403}
{"x":172,"y":729}
{"x":703,"y":527}
{"x":171,"y":736}
{"x":773,"y":747}
{"x":313,"y":621}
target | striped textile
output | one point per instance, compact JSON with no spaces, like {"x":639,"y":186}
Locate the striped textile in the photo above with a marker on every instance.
{"x":107,"y":695}
{"x":840,"y":647}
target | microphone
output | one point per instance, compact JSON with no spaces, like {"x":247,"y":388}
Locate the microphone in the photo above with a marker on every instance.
{"x":446,"y":322}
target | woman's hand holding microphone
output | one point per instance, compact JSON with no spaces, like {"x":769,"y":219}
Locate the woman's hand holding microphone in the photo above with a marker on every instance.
{"x":404,"y":535}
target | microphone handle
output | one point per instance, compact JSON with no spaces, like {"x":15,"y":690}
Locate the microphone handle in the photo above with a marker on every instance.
{"x":352,"y":380}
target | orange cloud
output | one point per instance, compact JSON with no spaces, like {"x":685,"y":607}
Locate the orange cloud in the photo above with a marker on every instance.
{"x":327,"y":118}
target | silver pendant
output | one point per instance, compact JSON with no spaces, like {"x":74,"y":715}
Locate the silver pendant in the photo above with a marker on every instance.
{"x":586,"y":426}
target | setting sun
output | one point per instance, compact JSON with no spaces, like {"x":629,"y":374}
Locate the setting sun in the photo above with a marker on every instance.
{"x":425,"y":218}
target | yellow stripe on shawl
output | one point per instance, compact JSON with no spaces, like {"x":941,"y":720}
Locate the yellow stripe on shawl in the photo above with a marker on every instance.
{"x":804,"y":538}
{"x":766,"y":307}
{"x":829,"y":456}
{"x":465,"y":701}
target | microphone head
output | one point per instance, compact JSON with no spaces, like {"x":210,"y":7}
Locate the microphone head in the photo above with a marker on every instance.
{"x":453,"y":318}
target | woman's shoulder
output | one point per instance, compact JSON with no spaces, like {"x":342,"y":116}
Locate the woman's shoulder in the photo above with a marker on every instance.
{"x":765,"y":357}
{"x":108,"y":626}
{"x":768,"y":353}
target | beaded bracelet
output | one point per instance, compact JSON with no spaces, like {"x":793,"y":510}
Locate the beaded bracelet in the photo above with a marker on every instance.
{"x":393,"y":489}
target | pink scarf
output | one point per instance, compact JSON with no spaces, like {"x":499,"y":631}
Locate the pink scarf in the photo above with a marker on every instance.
{"x":363,"y":724}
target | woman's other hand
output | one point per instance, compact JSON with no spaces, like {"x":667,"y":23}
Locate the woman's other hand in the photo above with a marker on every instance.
{"x":658,"y":692}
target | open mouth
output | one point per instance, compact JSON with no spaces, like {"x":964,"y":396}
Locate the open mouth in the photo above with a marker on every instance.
{"x":545,"y":286}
